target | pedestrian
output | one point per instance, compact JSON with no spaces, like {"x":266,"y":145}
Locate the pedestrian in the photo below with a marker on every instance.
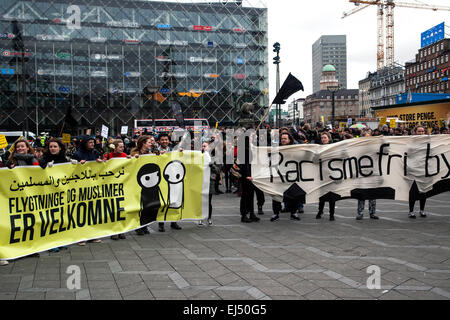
{"x":414,"y":194}
{"x":143,"y":147}
{"x":22,"y":154}
{"x":286,"y":139}
{"x":116,"y":151}
{"x":54,"y":153}
{"x":247,"y":187}
{"x":215,"y":170}
{"x":372,"y":202}
{"x":87,"y":152}
{"x":164,"y":147}
{"x":325,"y":138}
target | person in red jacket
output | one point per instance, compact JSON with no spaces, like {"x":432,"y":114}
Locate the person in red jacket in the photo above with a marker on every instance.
{"x":118,"y":148}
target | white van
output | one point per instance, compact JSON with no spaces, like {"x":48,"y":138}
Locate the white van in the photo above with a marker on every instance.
{"x":12,"y":136}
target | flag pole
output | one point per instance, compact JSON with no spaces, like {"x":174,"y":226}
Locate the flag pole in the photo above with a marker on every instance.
{"x":265,"y":116}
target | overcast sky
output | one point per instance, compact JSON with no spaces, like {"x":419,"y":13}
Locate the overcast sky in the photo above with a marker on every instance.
{"x":297,"y":24}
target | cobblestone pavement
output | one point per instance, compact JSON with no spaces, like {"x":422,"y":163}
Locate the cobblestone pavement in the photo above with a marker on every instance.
{"x":310,"y":259}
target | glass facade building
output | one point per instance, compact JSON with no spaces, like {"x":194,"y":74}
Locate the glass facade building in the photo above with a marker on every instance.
{"x":330,"y":49}
{"x":114,"y":61}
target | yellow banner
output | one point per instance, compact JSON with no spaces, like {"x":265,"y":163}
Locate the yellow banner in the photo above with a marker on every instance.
{"x":3,"y":141}
{"x":392,"y":123}
{"x":66,"y":138}
{"x":66,"y":204}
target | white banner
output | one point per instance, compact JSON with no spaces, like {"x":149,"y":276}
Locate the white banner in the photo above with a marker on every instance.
{"x":364,"y":168}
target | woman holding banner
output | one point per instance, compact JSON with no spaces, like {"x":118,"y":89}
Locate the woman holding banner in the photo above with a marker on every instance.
{"x":143,"y":146}
{"x":373,"y":202}
{"x":325,"y":138}
{"x":54,"y":153}
{"x":286,"y":139}
{"x":414,"y":193}
{"x":22,"y":155}
{"x":116,"y":148}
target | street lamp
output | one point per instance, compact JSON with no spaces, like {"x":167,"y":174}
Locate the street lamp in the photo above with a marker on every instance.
{"x":295,"y":109}
{"x":276,"y":61}
{"x":333,"y":90}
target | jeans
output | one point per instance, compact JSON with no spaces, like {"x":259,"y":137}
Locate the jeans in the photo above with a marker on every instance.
{"x":372,"y":206}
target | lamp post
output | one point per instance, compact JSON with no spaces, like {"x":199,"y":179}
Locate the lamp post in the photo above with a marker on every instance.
{"x":295,"y":109}
{"x":333,"y":90}
{"x":276,"y":61}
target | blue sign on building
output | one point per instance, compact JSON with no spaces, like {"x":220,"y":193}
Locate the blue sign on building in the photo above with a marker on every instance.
{"x":163,"y":26}
{"x":165,"y":90}
{"x":64,"y":89}
{"x":8,"y":71}
{"x":433,"y":35}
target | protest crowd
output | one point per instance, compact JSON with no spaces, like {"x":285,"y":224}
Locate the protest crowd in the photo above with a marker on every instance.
{"x":234,"y":178}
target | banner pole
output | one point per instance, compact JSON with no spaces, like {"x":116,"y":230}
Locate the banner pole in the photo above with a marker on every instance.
{"x":264,"y":117}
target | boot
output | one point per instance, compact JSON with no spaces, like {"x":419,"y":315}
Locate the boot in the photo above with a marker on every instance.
{"x":161,"y":227}
{"x":175,"y":226}
{"x":254,"y":218}
{"x":245,"y":219}
{"x":260,"y":210}
{"x":294,"y":216}
{"x":319,"y":216}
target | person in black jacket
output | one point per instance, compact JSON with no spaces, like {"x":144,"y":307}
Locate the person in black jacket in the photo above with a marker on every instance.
{"x":248,"y":189}
{"x":86,"y":151}
{"x":54,"y":153}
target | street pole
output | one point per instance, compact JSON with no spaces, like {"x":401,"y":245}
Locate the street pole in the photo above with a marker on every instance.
{"x":277,"y":61}
{"x":24,"y":93}
{"x":278,"y":105}
{"x":333,"y":90}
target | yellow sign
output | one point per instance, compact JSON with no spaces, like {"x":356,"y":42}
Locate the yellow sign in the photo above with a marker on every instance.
{"x":3,"y":142}
{"x":342,"y":124}
{"x":392,"y":123}
{"x":383,"y":121}
{"x":66,"y":138}
{"x":322,"y":119}
{"x":425,"y":114}
{"x":66,"y":204}
{"x":12,"y":146}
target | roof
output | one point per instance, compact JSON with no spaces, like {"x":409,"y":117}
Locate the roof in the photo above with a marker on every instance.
{"x":329,"y":68}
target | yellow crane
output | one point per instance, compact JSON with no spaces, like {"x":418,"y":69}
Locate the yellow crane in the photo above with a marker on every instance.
{"x":386,"y":7}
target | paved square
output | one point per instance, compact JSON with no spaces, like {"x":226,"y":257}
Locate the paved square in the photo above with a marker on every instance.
{"x":310,"y":259}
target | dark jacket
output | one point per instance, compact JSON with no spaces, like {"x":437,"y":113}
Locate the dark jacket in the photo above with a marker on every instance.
{"x":22,"y":160}
{"x":48,"y":157}
{"x":83,"y":153}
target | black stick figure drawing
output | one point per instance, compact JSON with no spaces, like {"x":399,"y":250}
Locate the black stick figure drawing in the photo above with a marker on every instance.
{"x":174,"y":174}
{"x":149,"y":177}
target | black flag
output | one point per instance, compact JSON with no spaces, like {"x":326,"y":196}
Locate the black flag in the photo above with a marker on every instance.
{"x":289,"y":87}
{"x":69,"y":119}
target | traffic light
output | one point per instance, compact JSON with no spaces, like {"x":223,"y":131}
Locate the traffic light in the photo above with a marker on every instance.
{"x":276,"y":60}
{"x":276,"y":47}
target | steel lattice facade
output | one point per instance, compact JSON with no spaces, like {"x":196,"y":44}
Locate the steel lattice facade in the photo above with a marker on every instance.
{"x":106,"y":58}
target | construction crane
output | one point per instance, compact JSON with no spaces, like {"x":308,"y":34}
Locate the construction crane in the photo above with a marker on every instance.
{"x":388,"y":6}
